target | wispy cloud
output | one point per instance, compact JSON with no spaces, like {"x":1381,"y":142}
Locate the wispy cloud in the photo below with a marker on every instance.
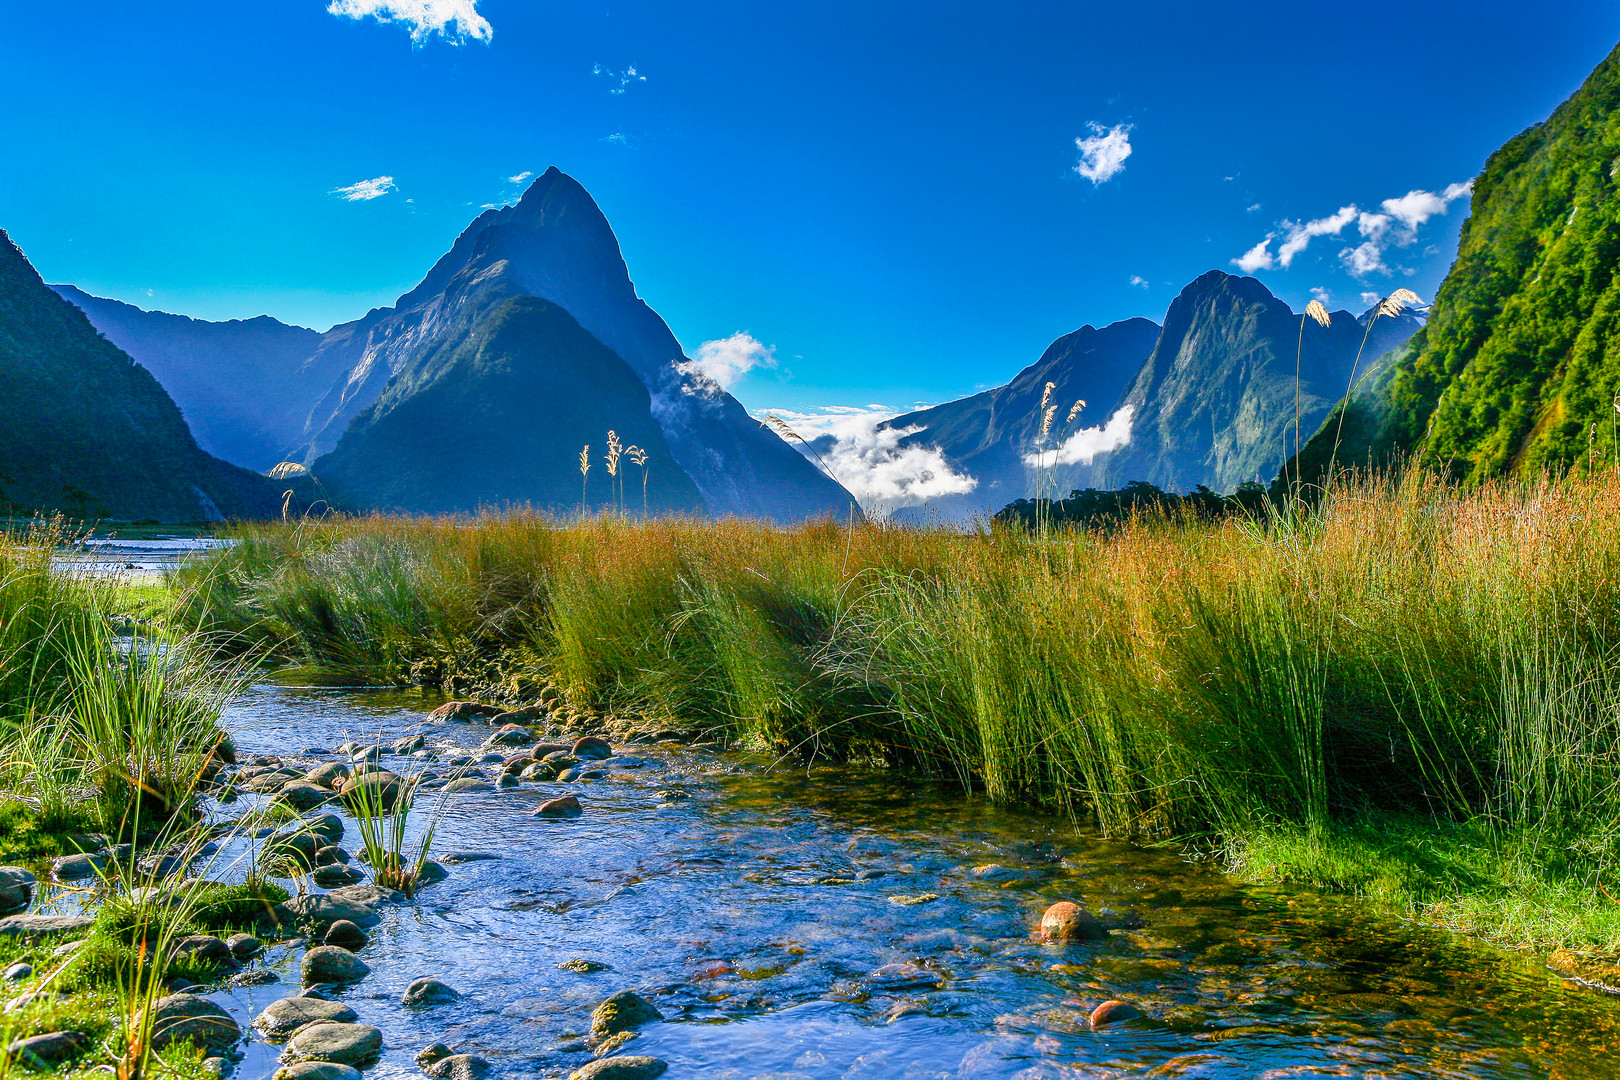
{"x":869,"y":461}
{"x":1394,"y":224}
{"x":453,"y":20}
{"x":724,"y":361}
{"x":520,"y":177}
{"x":1139,"y":281}
{"x":367,"y":190}
{"x":1083,"y":446}
{"x":1103,"y":152}
{"x":618,"y":138}
{"x":624,"y":79}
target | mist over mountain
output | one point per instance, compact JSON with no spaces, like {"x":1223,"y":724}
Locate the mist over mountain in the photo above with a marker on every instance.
{"x":87,"y":431}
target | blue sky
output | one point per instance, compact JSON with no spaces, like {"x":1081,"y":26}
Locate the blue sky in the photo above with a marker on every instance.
{"x":890,"y":198}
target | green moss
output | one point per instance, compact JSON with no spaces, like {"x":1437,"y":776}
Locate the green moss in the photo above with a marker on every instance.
{"x":28,"y":837}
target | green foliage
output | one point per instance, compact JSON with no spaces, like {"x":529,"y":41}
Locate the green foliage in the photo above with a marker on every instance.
{"x":1091,"y":508}
{"x":1518,"y":368}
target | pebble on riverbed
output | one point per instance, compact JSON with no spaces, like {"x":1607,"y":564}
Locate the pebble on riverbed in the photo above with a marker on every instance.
{"x":1114,"y":1012}
{"x":460,"y":1067}
{"x":317,"y":1070}
{"x":426,"y":992}
{"x":330,"y":964}
{"x":281,"y":1018}
{"x":621,"y":1068}
{"x":345,"y":1044}
{"x":346,"y":935}
{"x":1066,"y":921}
{"x":181,"y":1017}
{"x":623,"y":1011}
{"x":565,"y":807}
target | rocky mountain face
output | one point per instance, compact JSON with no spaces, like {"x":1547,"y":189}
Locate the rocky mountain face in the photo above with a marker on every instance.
{"x":1518,"y":368}
{"x":1215,"y":400}
{"x":87,"y":431}
{"x":555,"y":245}
{"x":458,"y":427}
{"x":243,"y":385}
{"x":987,"y":436}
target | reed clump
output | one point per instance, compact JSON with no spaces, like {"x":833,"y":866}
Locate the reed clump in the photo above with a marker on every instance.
{"x":1400,"y":650}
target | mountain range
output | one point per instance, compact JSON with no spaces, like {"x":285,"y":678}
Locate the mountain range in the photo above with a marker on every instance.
{"x":259,"y":392}
{"x":86,"y":431}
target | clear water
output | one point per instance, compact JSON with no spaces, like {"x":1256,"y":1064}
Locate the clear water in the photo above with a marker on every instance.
{"x":760,"y":916}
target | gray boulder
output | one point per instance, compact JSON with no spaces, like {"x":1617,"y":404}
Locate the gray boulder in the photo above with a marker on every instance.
{"x":621,"y":1068}
{"x":38,"y":926}
{"x":460,"y":1067}
{"x":330,"y":964}
{"x":16,"y":887}
{"x":281,"y":1018}
{"x":42,"y":1053}
{"x":624,"y":1011}
{"x":344,"y":1044}
{"x":317,"y":1070}
{"x":190,"y":1016}
{"x":301,"y":796}
{"x":428,"y":992}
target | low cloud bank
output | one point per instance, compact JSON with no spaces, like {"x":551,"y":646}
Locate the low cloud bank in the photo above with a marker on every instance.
{"x":869,"y":461}
{"x":1083,"y":446}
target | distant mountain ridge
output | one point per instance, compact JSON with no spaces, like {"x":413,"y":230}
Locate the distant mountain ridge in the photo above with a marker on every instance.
{"x":554,"y":244}
{"x":87,"y":431}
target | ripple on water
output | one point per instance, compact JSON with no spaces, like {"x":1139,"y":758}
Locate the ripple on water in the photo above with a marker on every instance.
{"x":758,"y":914}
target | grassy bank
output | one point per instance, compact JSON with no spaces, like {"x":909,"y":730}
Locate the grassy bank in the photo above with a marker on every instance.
{"x":1408,"y":691}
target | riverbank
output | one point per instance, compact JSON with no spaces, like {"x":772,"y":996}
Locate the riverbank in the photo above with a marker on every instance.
{"x":1407,"y":692}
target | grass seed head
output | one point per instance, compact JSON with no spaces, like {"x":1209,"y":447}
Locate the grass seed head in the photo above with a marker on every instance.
{"x":1318,"y":311}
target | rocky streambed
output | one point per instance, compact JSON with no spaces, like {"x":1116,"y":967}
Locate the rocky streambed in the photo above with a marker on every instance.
{"x":669,"y":908}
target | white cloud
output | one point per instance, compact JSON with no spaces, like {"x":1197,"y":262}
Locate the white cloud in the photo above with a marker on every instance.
{"x":618,"y":138}
{"x":724,"y":361}
{"x":1258,"y":257}
{"x":520,"y":177}
{"x":1300,"y":235}
{"x":453,"y":20}
{"x":1394,"y":224}
{"x":870,"y":462}
{"x":1321,"y":294}
{"x":1139,"y":281}
{"x":1084,"y":445}
{"x":367,"y":190}
{"x":1370,"y":298}
{"x":625,"y":79}
{"x":1103,"y":152}
{"x":1251,"y":208}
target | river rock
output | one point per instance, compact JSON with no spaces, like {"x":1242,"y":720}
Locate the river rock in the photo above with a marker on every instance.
{"x":203,"y":947}
{"x":16,"y":887}
{"x":356,"y":903}
{"x":243,"y":946}
{"x":37,"y":926}
{"x":43,"y":1053}
{"x":330,"y":964}
{"x":1066,"y":921}
{"x":343,"y":1043}
{"x":463,"y":711}
{"x":374,"y":791}
{"x":330,"y":854}
{"x":460,"y":1067}
{"x":281,"y":1018}
{"x":540,"y":751}
{"x":410,"y":744}
{"x":334,"y":875}
{"x":565,"y":807}
{"x":317,"y":1070}
{"x":510,"y":735}
{"x":560,"y":759}
{"x":457,"y":857}
{"x":328,"y":775}
{"x":469,"y":784}
{"x":592,"y":748}
{"x":77,"y":867}
{"x":301,"y":796}
{"x":539,"y":771}
{"x":507,"y":782}
{"x":427,"y":992}
{"x":630,"y":1067}
{"x":328,"y":827}
{"x":623,"y":1011}
{"x":430,"y":872}
{"x":1114,"y":1012}
{"x":18,"y":972}
{"x":581,"y":966}
{"x":345,"y":935}
{"x":189,"y":1016}
{"x":299,"y":845}
{"x":429,"y":1054}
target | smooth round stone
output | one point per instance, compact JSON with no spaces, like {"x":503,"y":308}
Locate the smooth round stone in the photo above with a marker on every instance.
{"x":469,"y":784}
{"x":77,"y":867}
{"x":16,"y":887}
{"x":189,"y":1016}
{"x":334,"y":875}
{"x":317,"y":1070}
{"x":636,"y":1067}
{"x":328,"y":826}
{"x":427,"y":992}
{"x":302,"y":796}
{"x":460,"y":1067}
{"x":506,"y":781}
{"x":45,"y":1052}
{"x":330,"y":964}
{"x":204,"y":947}
{"x":622,"y":1012}
{"x":282,"y":1018}
{"x":345,"y":935}
{"x":243,"y":946}
{"x":565,"y":807}
{"x":1114,"y":1012}
{"x":593,"y":748}
{"x":1065,"y":921}
{"x":430,"y":1054}
{"x":345,"y":1044}
{"x":18,"y":972}
{"x":329,"y":854}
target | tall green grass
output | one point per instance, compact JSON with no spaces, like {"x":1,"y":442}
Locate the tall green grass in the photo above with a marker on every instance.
{"x":1400,"y":649}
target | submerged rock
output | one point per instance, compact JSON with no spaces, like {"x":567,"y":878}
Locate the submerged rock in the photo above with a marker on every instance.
{"x":356,"y":903}
{"x":565,"y":807}
{"x":463,"y":711}
{"x":581,"y":966}
{"x":469,"y":784}
{"x":637,"y":1067}
{"x":317,"y":1070}
{"x":282,"y":1018}
{"x":346,"y":935}
{"x":623,"y":1011}
{"x":1114,"y":1012}
{"x":427,"y":992}
{"x":16,"y":887}
{"x":334,"y":875}
{"x":460,"y":1067}
{"x":188,"y":1016}
{"x":345,"y":1044}
{"x":429,"y":1054}
{"x":330,"y":964}
{"x":77,"y":867}
{"x":1066,"y":921}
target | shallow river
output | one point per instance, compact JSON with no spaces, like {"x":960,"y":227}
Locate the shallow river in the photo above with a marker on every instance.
{"x":767,"y":917}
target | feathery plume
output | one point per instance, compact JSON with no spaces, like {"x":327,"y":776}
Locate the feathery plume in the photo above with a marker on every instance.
{"x":1046,"y":395}
{"x":1318,"y":311}
{"x":1046,"y":420}
{"x":285,"y":469}
{"x":1074,"y":411}
{"x":1397,"y":301}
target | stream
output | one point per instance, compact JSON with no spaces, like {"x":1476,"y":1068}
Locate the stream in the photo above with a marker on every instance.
{"x":850,"y":923}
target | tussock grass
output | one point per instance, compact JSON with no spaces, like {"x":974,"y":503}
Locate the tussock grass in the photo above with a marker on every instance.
{"x":1399,"y":650}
